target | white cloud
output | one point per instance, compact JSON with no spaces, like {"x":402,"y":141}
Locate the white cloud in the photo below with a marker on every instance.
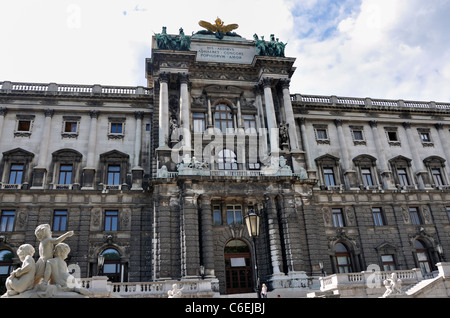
{"x":390,"y":49}
{"x":376,"y":48}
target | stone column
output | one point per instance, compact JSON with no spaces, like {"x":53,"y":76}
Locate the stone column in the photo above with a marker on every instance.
{"x":164,"y":110}
{"x":293,"y":139}
{"x":274,"y":236}
{"x":382,"y":161}
{"x":349,"y":174}
{"x":271,"y":119}
{"x":190,"y":256}
{"x":291,"y":234}
{"x":89,"y":170}
{"x":39,"y":172}
{"x":310,"y":168}
{"x":262,"y":135}
{"x":3,"y":112}
{"x":417,"y":164}
{"x":185,"y":111}
{"x":162,"y":228}
{"x":207,"y":238}
{"x":137,"y":171}
{"x":442,"y":138}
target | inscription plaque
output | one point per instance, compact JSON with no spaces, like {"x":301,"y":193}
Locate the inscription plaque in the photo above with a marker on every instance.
{"x":224,"y":53}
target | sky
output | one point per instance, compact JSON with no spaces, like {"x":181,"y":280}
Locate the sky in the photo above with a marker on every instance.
{"x":393,"y":49}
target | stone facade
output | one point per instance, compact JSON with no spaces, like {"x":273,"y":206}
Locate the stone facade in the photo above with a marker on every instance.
{"x":162,"y":177}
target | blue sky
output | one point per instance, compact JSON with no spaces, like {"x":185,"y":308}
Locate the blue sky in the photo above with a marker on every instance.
{"x":397,"y":49}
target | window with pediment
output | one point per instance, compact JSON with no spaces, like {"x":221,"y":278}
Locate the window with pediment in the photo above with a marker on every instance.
{"x":66,"y":168}
{"x":114,"y":168}
{"x":16,"y":168}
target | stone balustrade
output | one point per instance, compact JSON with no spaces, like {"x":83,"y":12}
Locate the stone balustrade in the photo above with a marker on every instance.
{"x":368,"y":102}
{"x":100,"y":287}
{"x":54,"y":88}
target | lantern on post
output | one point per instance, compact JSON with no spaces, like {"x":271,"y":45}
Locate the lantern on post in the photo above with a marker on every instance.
{"x":252,"y":222}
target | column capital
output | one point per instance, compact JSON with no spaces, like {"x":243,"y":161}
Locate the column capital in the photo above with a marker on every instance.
{"x":94,"y":113}
{"x":164,"y":77}
{"x":439,"y":126}
{"x":285,"y":83}
{"x":407,"y":125}
{"x":373,"y":123}
{"x":267,"y":82}
{"x":338,"y":122}
{"x":184,"y":78}
{"x":49,"y":112}
{"x":3,"y":111}
{"x":138,"y":114}
{"x":258,"y":90}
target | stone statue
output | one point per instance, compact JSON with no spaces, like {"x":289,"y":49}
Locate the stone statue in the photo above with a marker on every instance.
{"x":57,"y":273}
{"x":269,"y":48}
{"x":165,"y":41}
{"x":44,"y":235}
{"x":393,"y":286}
{"x":49,"y":276}
{"x":175,"y":292}
{"x":284,"y":133}
{"x":218,"y":28}
{"x":22,"y":279}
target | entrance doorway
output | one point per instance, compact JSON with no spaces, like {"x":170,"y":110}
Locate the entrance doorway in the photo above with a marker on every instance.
{"x":238,"y":267}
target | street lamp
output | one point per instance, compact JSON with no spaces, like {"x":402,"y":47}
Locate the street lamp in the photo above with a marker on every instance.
{"x":101,"y":261}
{"x":252,"y":222}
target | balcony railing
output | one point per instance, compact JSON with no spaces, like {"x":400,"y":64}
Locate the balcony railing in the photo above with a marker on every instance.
{"x":18,"y":87}
{"x":368,"y":102}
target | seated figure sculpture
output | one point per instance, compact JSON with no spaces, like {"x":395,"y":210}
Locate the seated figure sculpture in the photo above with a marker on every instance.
{"x":22,"y":279}
{"x":57,"y":273}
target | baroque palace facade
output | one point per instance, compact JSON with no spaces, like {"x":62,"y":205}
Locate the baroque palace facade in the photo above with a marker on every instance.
{"x":159,"y":179}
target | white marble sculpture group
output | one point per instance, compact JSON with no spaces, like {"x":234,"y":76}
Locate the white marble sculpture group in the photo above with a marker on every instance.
{"x":49,"y":276}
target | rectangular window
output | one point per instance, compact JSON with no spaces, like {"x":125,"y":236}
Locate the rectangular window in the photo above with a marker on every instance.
{"x":328,"y":175}
{"x":70,"y":127}
{"x":338,"y":218}
{"x":388,"y":262}
{"x":392,"y":136}
{"x":367,"y":177}
{"x":24,"y":125}
{"x":322,"y":134}
{"x":199,"y":122}
{"x":59,"y":220}
{"x":249,"y":124}
{"x":65,"y":174}
{"x":113,"y":175}
{"x":415,"y":216}
{"x":111,"y":220}
{"x":402,"y":176}
{"x":217,"y":215}
{"x":357,"y":135}
{"x":7,"y":221}
{"x":234,"y":214}
{"x":437,"y":177}
{"x":116,"y":128}
{"x":378,"y":218}
{"x":425,"y":136}
{"x":16,"y":173}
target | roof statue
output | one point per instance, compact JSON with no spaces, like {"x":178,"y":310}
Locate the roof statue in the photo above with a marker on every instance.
{"x":218,"y":28}
{"x":179,"y":42}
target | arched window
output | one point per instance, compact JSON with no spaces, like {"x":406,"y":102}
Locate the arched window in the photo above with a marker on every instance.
{"x":422,"y":257}
{"x":342,"y":257}
{"x":111,"y":267}
{"x":227,"y":160}
{"x":223,"y":118}
{"x":6,"y":267}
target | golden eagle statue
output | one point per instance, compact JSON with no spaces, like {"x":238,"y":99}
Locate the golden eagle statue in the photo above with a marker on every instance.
{"x":219,"y":28}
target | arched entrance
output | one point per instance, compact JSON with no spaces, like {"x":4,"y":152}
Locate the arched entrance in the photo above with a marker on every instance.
{"x":238,"y":267}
